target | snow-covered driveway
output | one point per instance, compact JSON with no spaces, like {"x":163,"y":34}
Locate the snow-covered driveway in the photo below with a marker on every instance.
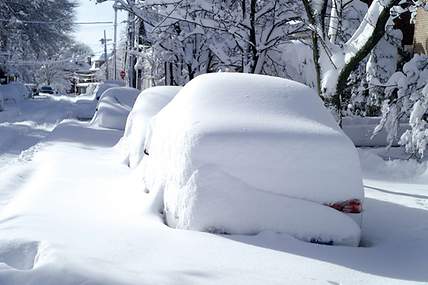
{"x":78,"y":216}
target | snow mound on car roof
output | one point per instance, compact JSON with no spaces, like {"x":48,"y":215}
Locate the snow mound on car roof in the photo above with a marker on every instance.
{"x":148,"y":104}
{"x":102,"y":87}
{"x":267,"y":141}
{"x":114,"y":107}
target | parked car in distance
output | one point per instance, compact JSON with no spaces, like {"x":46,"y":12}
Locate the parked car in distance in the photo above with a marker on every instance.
{"x":46,"y":89}
{"x":114,"y":106}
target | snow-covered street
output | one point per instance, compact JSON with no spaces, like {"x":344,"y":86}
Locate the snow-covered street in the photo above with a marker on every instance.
{"x":72,"y":213}
{"x":23,"y":126}
{"x":251,"y":142}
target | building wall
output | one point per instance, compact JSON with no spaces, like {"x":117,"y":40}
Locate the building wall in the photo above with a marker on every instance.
{"x":421,"y":32}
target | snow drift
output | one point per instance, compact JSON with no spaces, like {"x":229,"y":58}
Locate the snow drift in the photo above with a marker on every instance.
{"x":240,"y":153}
{"x":114,"y":107}
{"x":148,"y":104}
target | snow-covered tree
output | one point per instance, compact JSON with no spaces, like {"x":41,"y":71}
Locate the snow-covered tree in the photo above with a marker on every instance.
{"x":406,"y":96}
{"x":369,"y":79}
{"x":334,"y":62}
{"x":194,"y":37}
{"x":33,"y":29}
{"x":59,"y":70}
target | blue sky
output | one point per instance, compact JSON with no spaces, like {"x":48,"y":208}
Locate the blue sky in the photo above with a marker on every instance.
{"x":91,"y":34}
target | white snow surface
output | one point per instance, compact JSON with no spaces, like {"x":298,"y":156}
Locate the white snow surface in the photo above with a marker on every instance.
{"x":114,"y":106}
{"x":149,"y":103}
{"x":72,"y":214}
{"x":241,"y":153}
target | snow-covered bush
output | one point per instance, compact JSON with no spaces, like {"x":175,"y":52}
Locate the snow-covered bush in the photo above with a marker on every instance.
{"x":114,"y":107}
{"x":245,"y":153}
{"x":406,"y":96}
{"x":148,"y":104}
{"x":416,"y":139}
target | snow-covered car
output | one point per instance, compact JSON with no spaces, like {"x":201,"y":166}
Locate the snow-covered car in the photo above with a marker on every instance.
{"x":102,"y":87}
{"x":243,"y":153}
{"x":114,"y":107}
{"x":148,"y":104}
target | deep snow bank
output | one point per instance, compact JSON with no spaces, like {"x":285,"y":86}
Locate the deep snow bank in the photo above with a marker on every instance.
{"x":114,"y":107}
{"x":245,"y":153}
{"x":148,"y":104}
{"x":376,"y":166}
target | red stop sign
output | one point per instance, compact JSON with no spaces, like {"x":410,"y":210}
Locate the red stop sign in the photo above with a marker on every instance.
{"x":122,"y":74}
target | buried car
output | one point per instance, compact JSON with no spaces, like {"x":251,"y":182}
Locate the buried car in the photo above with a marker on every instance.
{"x":243,"y":153}
{"x":148,"y":104}
{"x":102,"y":87}
{"x":114,"y":106}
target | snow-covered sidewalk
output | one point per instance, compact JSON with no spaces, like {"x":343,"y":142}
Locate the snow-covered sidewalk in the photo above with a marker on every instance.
{"x":77,"y":216}
{"x":25,"y":124}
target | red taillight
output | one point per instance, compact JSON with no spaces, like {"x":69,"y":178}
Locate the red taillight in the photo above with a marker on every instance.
{"x":353,"y":206}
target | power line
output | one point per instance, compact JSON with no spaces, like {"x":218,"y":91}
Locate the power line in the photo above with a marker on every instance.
{"x":56,"y":22}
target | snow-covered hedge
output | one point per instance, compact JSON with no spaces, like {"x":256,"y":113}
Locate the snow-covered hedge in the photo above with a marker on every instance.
{"x":243,"y":153}
{"x":114,"y":107}
{"x":148,"y":104}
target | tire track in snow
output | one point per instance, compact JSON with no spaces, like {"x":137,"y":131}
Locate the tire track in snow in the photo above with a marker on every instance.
{"x":396,"y":192}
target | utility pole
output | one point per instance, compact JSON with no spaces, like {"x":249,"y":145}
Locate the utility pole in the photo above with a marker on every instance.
{"x":104,"y":42}
{"x":115,"y":41}
{"x":131,"y":38}
{"x":131,"y":44}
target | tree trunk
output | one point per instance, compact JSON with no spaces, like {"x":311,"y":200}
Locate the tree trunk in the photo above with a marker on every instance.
{"x":316,"y":58}
{"x":253,"y":36}
{"x":315,"y":45}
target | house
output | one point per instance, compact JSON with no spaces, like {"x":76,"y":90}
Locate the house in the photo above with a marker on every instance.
{"x":415,"y":34}
{"x":420,"y":40}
